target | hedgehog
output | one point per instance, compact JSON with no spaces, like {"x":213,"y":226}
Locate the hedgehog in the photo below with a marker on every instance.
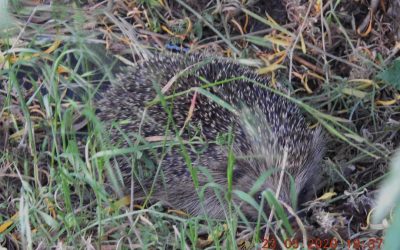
{"x":214,"y":121}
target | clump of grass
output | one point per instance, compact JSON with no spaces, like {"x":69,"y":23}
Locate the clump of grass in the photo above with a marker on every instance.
{"x":53,"y":194}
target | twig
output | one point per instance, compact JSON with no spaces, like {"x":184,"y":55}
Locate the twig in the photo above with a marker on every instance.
{"x":291,"y":51}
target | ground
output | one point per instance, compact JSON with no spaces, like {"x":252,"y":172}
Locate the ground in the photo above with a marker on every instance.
{"x":339,"y":59}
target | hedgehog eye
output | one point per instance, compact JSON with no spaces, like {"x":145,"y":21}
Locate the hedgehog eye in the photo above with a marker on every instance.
{"x":259,"y":196}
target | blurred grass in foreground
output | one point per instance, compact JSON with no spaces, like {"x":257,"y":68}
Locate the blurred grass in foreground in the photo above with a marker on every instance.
{"x":6,"y":20}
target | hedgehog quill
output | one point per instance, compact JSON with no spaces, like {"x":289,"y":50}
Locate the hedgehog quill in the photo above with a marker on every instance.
{"x":261,"y":125}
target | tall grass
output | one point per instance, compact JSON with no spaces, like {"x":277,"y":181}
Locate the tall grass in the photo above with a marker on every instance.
{"x":56,"y":155}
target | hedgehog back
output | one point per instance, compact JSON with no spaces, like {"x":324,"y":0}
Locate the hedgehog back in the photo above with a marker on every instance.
{"x":263,"y":122}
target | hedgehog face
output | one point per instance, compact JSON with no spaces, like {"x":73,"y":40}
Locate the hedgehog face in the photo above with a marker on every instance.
{"x":300,"y":174}
{"x":309,"y":173}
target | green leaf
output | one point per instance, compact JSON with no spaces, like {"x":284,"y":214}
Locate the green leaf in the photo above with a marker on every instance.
{"x":391,"y":75}
{"x":247,"y":198}
{"x":198,"y":29}
{"x":6,"y":20}
{"x":49,"y":220}
{"x":279,"y":211}
{"x":389,"y":193}
{"x":259,"y":41}
{"x":392,"y":239}
{"x":217,"y":100}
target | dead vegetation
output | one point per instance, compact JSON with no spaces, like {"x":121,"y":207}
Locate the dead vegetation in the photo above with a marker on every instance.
{"x":338,"y":57}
